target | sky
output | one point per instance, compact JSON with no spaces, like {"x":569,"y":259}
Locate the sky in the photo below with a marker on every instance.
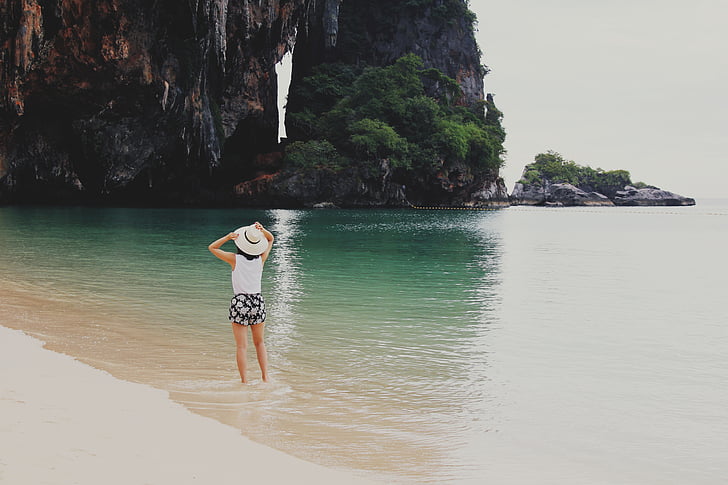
{"x":639,"y":85}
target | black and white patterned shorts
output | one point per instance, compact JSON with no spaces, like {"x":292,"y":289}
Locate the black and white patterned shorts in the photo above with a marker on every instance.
{"x":247,"y":309}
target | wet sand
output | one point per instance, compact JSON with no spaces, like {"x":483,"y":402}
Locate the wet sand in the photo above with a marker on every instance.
{"x":62,"y":421}
{"x":197,"y":370}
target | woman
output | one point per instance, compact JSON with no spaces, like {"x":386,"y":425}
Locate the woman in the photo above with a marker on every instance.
{"x":247,"y":308}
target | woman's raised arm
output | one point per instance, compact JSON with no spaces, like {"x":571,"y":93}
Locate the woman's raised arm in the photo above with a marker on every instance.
{"x":268,"y":236}
{"x":226,"y":256}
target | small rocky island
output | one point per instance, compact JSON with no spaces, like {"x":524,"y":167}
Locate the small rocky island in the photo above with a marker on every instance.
{"x":552,"y":181}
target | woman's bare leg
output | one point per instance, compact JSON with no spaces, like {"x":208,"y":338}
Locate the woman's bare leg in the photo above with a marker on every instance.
{"x":241,"y":348}
{"x":260,"y":349}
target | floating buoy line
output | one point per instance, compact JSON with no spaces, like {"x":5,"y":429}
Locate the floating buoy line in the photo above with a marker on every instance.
{"x":523,"y":208}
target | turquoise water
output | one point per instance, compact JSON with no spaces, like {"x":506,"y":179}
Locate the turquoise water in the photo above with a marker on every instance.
{"x":524,"y":345}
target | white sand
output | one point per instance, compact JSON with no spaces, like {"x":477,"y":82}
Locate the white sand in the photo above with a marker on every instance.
{"x":63,"y":422}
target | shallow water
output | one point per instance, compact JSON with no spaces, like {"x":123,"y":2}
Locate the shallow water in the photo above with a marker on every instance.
{"x":556,"y":345}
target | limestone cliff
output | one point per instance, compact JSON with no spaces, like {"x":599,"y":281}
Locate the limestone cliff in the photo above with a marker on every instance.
{"x":132,"y":101}
{"x":124,"y":99}
{"x":377,"y":33}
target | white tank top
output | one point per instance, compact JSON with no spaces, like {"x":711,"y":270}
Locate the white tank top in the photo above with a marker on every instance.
{"x":247,"y":275}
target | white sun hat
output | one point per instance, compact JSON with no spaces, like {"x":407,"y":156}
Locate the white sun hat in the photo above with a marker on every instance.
{"x":251,"y":240}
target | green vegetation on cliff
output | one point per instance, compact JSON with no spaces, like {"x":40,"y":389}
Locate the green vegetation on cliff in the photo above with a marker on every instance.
{"x":374,"y":113}
{"x":553,"y":167}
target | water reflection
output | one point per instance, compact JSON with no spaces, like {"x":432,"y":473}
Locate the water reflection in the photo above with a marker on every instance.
{"x":283,"y":282}
{"x":390,"y":349}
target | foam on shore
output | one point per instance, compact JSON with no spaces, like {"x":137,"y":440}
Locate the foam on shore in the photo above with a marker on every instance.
{"x":62,"y":422}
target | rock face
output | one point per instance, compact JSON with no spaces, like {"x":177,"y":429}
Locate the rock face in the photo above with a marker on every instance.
{"x":324,"y":188}
{"x":378,"y":32}
{"x":174,"y":102}
{"x":355,"y":187}
{"x":556,"y":195}
{"x":650,"y":196}
{"x":129,"y":99}
{"x":491,"y":192}
{"x":550,"y":194}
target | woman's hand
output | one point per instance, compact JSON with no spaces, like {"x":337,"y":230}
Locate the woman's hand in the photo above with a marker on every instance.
{"x":233,"y":236}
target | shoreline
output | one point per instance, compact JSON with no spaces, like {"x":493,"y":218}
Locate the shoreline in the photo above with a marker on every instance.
{"x":276,"y":416}
{"x":67,"y":422}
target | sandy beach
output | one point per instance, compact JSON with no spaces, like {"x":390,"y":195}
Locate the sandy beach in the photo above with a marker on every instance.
{"x":63,"y":422}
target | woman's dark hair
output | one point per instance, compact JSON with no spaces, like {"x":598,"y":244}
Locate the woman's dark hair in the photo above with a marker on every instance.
{"x":248,"y":256}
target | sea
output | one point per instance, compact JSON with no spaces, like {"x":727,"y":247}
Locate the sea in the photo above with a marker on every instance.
{"x":523,"y":345}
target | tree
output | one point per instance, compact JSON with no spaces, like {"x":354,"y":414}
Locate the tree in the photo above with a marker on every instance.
{"x":553,"y":167}
{"x":388,"y":112}
{"x":376,"y":139}
{"x":319,"y":154}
